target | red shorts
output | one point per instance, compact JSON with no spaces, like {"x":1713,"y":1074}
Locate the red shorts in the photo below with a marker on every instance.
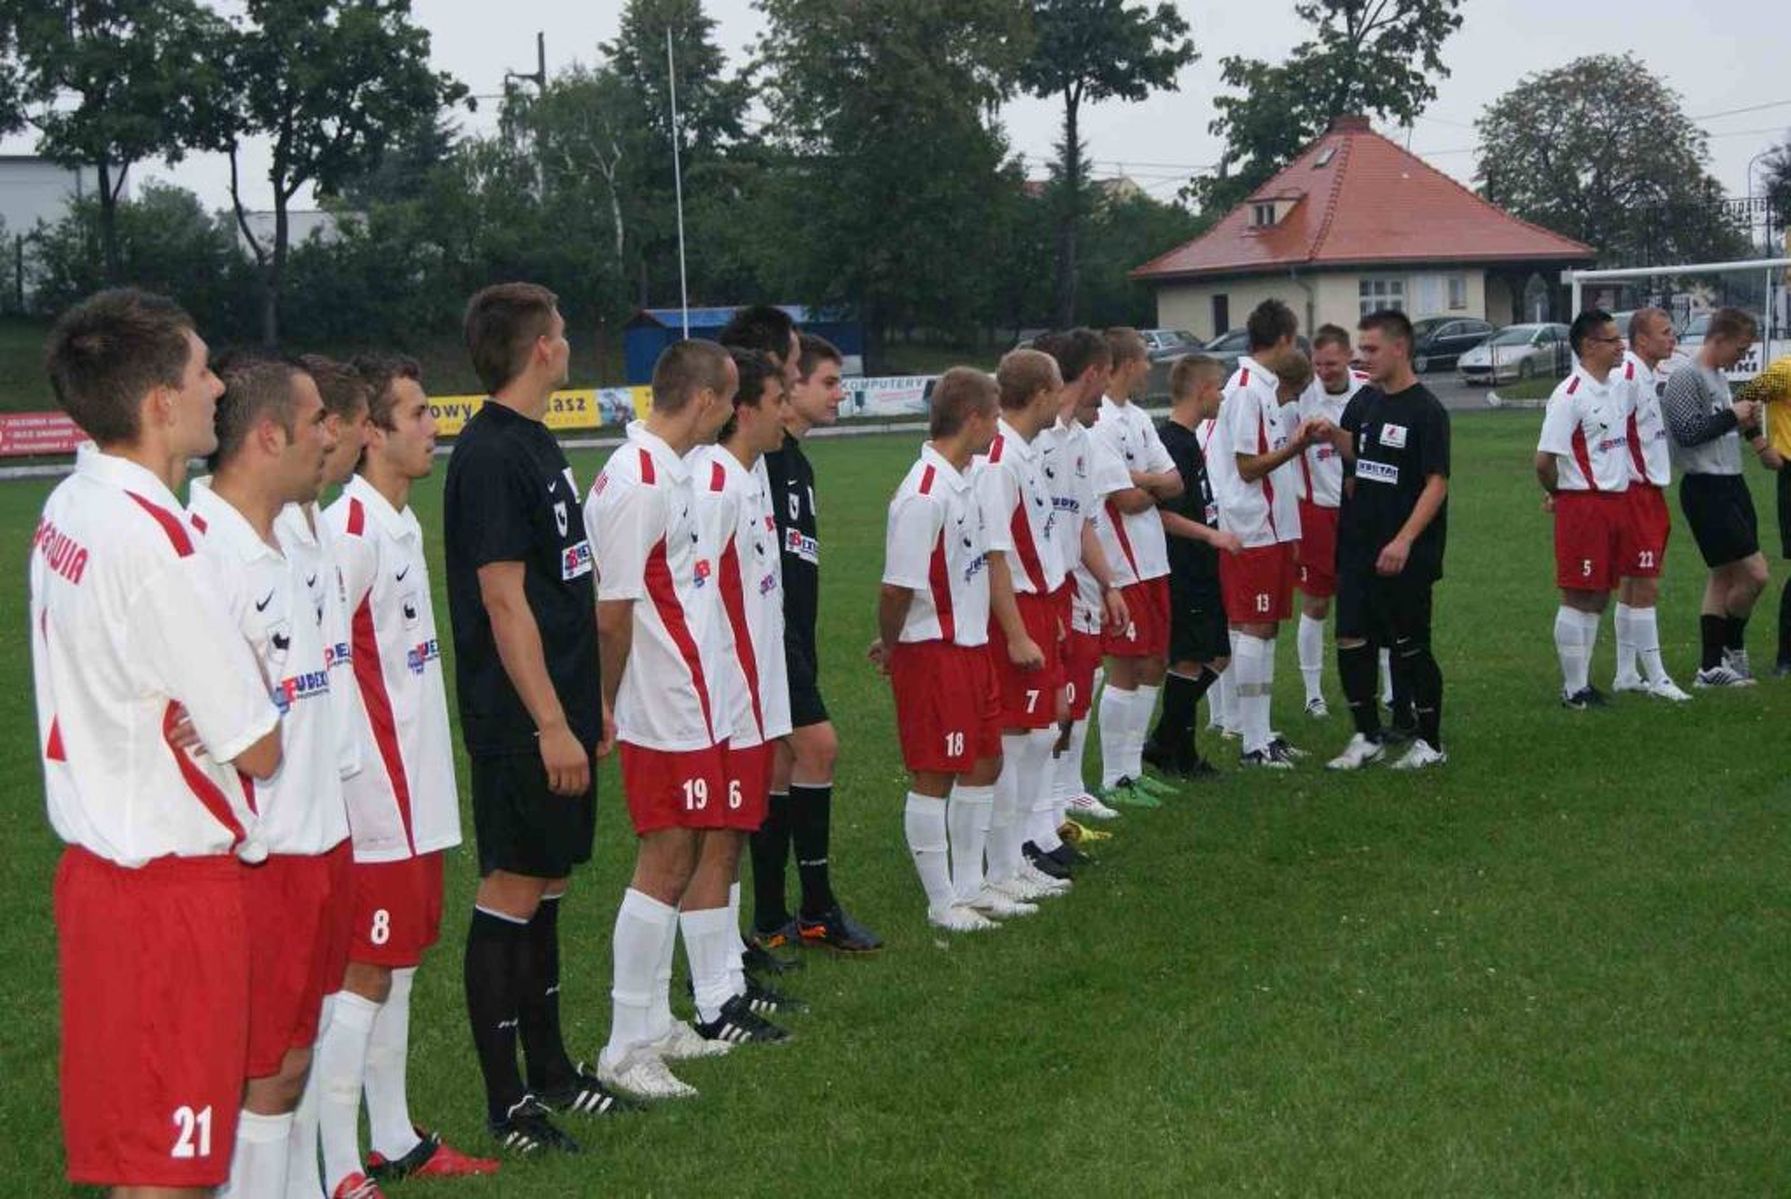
{"x":154,"y":977}
{"x":1147,"y":633}
{"x":397,"y":910}
{"x":948,"y":706}
{"x":675,"y":788}
{"x":1642,"y":545}
{"x":1258,"y":583}
{"x":1082,"y":657}
{"x":1588,"y":529}
{"x":299,"y":930}
{"x":1029,"y":697}
{"x":748,"y":778}
{"x":1318,"y":550}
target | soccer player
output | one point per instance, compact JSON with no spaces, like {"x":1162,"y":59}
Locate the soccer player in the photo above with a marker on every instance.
{"x":521,"y":600}
{"x":1321,"y":491}
{"x":272,"y":442}
{"x":403,"y":803}
{"x":933,"y":629}
{"x":739,"y":532}
{"x":1391,"y":533}
{"x":1582,"y":462}
{"x":151,"y":933}
{"x":1707,"y":428}
{"x":1199,"y":638}
{"x":1771,"y":388}
{"x":661,"y":630}
{"x":1642,"y":541}
{"x":1132,"y":536}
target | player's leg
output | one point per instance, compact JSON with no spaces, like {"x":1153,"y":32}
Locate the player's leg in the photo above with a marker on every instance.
{"x":710,"y":941}
{"x":1082,"y":673}
{"x":1782,"y":666}
{"x":1576,"y":633}
{"x":1358,"y":663}
{"x":1314,"y":609}
{"x":772,"y":924}
{"x":821,"y":919}
{"x":302,"y":1179}
{"x":1587,"y":528}
{"x":1407,"y":603}
{"x":1115,"y":716}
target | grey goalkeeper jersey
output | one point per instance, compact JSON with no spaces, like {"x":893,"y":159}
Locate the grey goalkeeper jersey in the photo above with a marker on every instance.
{"x":1701,"y":420}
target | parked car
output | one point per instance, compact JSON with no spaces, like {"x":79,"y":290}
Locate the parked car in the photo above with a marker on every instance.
{"x":1233,"y":344}
{"x":1168,"y":343}
{"x":1518,"y":352}
{"x":1438,"y":342}
{"x":1691,"y":337}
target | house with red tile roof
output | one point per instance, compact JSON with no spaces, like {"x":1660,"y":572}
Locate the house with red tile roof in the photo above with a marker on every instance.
{"x":1355,"y":223}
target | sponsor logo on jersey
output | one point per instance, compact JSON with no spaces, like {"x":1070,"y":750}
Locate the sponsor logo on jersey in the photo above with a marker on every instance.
{"x":336,"y":655}
{"x":768,"y":584}
{"x":1065,"y":503}
{"x":575,"y":560}
{"x":803,"y":546}
{"x":973,"y":567}
{"x":291,"y":690}
{"x":1613,"y":443}
{"x":702,"y":572}
{"x":1393,"y":435}
{"x":419,"y":656}
{"x":1377,"y":472}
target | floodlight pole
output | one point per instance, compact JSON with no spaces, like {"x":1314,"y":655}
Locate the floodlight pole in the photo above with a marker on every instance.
{"x":671,"y":78}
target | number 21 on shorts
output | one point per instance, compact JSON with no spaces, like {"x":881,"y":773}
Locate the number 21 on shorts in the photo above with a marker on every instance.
{"x":192,"y":1133}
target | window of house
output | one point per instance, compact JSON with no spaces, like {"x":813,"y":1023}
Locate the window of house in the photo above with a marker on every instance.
{"x":1264,"y":215}
{"x":1376,"y":294}
{"x":1221,"y":314}
{"x":1458,"y":293}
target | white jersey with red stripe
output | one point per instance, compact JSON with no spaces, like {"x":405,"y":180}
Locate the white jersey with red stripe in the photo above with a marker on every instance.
{"x":1321,"y":466}
{"x":1266,"y":511}
{"x":404,"y":800}
{"x":934,"y":546}
{"x":1129,"y":431}
{"x":1108,"y":466}
{"x":641,"y":519}
{"x":1019,"y":519}
{"x":1079,"y":478}
{"x":1586,"y":428}
{"x":734,"y":509}
{"x":128,"y":627}
{"x":1650,"y":447}
{"x":305,"y":539}
{"x":299,"y":809}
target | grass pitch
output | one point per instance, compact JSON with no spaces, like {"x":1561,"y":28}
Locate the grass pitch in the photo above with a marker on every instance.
{"x":1558,"y":965}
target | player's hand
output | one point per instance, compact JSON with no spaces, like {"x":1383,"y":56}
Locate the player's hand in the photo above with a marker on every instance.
{"x":183,"y":736}
{"x":1745,"y":412}
{"x":607,"y":746}
{"x":1114,"y":611}
{"x":568,"y":765}
{"x":1319,"y":429}
{"x":1025,"y":654}
{"x":1393,"y":556}
{"x":879,"y":656}
{"x":1231,"y":543}
{"x":1063,"y":736}
{"x":1772,"y":458}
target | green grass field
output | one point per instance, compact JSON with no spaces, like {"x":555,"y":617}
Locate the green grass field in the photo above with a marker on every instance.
{"x":1557,"y":966}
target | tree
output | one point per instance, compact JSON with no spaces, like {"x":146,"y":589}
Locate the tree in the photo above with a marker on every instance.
{"x":1777,"y":179}
{"x":1366,"y":57}
{"x":1089,"y":51}
{"x":1602,"y":151}
{"x":113,"y":82}
{"x":402,"y":172}
{"x":330,"y":82}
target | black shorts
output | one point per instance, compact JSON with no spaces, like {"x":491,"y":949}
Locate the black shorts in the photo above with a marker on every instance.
{"x":806,"y":705}
{"x":1785,"y":510}
{"x":521,"y":826}
{"x":1198,"y":631}
{"x":1382,"y":609}
{"x":1720,"y":511}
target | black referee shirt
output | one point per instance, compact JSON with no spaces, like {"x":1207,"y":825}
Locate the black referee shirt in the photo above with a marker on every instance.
{"x":1190,"y":561}
{"x":793,"y":495}
{"x":1401,"y":440}
{"x":510,"y":497}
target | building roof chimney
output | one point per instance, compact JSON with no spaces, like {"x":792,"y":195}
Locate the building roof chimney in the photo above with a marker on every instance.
{"x":1349,"y":123}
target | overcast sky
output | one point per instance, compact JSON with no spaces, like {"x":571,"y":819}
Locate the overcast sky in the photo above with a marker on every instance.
{"x":1719,"y":58}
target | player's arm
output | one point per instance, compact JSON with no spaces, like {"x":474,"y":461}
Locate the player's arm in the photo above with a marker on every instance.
{"x":1548,"y":471}
{"x":1162,"y":479}
{"x":615,"y":637}
{"x":1689,"y":419}
{"x":1094,"y":560}
{"x":518,"y":640}
{"x":1177,"y":525}
{"x":1133,"y":500}
{"x":1021,"y":649}
{"x":893,"y":602}
{"x":1393,"y":555}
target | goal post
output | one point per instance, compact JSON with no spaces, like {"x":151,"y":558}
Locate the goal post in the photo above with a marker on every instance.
{"x":1695,"y":289}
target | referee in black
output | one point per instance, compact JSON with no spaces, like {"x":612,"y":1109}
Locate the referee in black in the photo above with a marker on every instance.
{"x":1391,"y":533}
{"x":801,"y":808}
{"x":523,"y":602}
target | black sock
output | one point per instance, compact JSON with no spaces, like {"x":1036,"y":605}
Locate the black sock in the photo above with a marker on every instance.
{"x":1202,"y":683}
{"x":1180,"y":698}
{"x":1711,"y":630}
{"x":538,"y":1001}
{"x":493,"y":952}
{"x":770,"y":857}
{"x":1426,"y":679}
{"x":811,"y":811}
{"x":1785,"y":623}
{"x":1358,"y":670}
{"x":1734,"y":632}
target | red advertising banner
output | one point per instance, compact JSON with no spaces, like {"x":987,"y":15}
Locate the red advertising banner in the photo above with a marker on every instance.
{"x":26,"y":433}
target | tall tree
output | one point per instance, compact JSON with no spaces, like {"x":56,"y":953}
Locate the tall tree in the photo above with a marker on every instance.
{"x":1369,"y":57}
{"x":114,"y":82}
{"x":1777,"y":186}
{"x":1087,"y":51}
{"x":329,"y":82}
{"x":1601,"y":150}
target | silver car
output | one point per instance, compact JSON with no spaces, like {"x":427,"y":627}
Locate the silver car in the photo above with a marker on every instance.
{"x":1518,"y":352}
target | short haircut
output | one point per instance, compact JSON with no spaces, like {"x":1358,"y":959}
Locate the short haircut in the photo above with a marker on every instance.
{"x":1076,"y":350}
{"x":1269,"y":322}
{"x":1330,"y":335}
{"x":1586,"y":324}
{"x":1022,"y":374}
{"x":685,"y":368}
{"x":1187,"y":372}
{"x":1732,"y":324}
{"x":1047,"y":342}
{"x":1641,"y":318}
{"x":1391,"y":323}
{"x":962,"y":392}
{"x":1291,"y":368}
{"x":815,"y":350}
{"x":257,"y":387}
{"x":111,"y":350}
{"x":343,"y":389}
{"x":503,"y":322}
{"x":756,"y":369}
{"x":762,"y":327}
{"x":1125,"y":344}
{"x":379,"y":372}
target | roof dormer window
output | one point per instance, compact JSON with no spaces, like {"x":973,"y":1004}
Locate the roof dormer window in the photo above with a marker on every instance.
{"x":1262,"y":215}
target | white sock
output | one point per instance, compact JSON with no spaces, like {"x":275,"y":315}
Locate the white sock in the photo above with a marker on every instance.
{"x":1218,"y":700}
{"x":1144,"y":706}
{"x":967,"y":817}
{"x":1572,"y":650}
{"x":706,"y":944}
{"x":1311,"y":645}
{"x":1624,"y":623}
{"x":1387,"y":677}
{"x":1234,"y":713}
{"x":1255,"y":666}
{"x":1006,"y":828}
{"x":659,"y":1014}
{"x":340,"y":1067}
{"x":1589,"y":622}
{"x":646,"y":930}
{"x":923,"y":822}
{"x":1644,"y":632}
{"x":737,"y":961}
{"x":390,"y":1131}
{"x":1115,"y":704}
{"x":1039,"y":790}
{"x":258,"y":1166}
{"x":1068,"y":767}
{"x":302,"y":1178}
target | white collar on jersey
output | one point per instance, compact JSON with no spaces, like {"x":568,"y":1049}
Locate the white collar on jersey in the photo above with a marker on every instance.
{"x":123,"y":474}
{"x":224,"y":525}
{"x":661,"y":451}
{"x":1011,"y":437}
{"x":933,"y":458}
{"x":1258,"y":370}
{"x":396,"y":523}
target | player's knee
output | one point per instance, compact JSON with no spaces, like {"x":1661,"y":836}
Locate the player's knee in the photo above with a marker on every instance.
{"x":815,"y":750}
{"x":372,"y":983}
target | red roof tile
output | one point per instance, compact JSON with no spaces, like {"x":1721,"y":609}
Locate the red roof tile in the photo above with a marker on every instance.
{"x":1371,"y":203}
